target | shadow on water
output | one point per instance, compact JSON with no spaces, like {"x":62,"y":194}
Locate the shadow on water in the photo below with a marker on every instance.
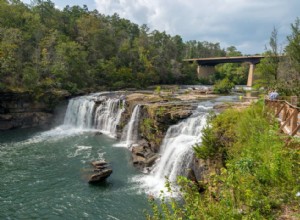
{"x":102,"y":185}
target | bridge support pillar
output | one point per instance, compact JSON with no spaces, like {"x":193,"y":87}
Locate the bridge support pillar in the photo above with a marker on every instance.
{"x":205,"y":71}
{"x":250,"y":75}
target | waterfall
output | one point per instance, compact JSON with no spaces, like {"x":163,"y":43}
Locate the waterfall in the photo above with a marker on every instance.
{"x":176,"y":152}
{"x":130,"y":134}
{"x":108,"y":115}
{"x":86,"y":113}
{"x":79,"y":113}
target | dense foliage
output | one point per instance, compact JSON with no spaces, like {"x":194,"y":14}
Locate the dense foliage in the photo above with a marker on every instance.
{"x":281,"y":70}
{"x":223,"y":86}
{"x":236,"y":73}
{"x":42,"y":47}
{"x":260,"y":177}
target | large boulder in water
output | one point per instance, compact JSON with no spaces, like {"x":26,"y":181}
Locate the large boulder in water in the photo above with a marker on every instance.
{"x":101,"y":171}
{"x":100,"y":176}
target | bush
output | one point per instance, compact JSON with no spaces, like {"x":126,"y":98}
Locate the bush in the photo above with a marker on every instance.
{"x":223,"y":87}
{"x":218,"y":135}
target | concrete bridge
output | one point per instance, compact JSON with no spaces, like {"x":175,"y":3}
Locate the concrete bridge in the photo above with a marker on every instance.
{"x":206,"y":66}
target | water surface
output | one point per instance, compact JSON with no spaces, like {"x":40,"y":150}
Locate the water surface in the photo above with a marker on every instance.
{"x":44,"y":176}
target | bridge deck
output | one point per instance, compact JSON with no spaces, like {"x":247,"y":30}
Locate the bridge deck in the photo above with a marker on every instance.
{"x":218,"y":60}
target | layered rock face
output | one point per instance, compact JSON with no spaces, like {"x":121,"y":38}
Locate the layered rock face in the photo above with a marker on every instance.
{"x":157,"y":114}
{"x":21,"y":110}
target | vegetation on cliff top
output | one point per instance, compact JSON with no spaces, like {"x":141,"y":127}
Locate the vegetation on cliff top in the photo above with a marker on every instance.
{"x":260,"y":177}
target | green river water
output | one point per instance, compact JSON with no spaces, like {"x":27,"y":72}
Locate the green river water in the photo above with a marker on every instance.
{"x":44,"y":176}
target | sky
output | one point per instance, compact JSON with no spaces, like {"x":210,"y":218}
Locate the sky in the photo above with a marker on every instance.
{"x":245,"y":24}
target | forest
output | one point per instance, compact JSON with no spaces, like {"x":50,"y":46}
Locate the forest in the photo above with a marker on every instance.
{"x":44,"y":48}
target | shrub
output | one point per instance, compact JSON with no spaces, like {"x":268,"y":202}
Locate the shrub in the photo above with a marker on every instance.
{"x":223,"y":87}
{"x":218,"y":135}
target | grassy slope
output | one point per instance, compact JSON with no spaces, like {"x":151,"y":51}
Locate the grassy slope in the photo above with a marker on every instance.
{"x":260,"y":177}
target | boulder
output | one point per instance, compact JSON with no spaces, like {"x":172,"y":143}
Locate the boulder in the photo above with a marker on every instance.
{"x":138,"y":150}
{"x":101,"y":171}
{"x":100,"y":176}
{"x":101,"y":167}
{"x":99,"y":163}
{"x":98,"y":133}
{"x":151,"y":160}
{"x":143,"y":156}
{"x":138,"y":160}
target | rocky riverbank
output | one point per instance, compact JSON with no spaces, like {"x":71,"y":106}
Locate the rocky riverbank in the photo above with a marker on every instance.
{"x":23,"y":109}
{"x":157,"y":114}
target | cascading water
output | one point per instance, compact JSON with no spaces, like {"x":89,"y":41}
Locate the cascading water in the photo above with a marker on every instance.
{"x":130,"y":134}
{"x":176,"y":149}
{"x":38,"y":165}
{"x":79,"y":113}
{"x":108,"y":115}
{"x":176,"y":152}
{"x":84,"y":113}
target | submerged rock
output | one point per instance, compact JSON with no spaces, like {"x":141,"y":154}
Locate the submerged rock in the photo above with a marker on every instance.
{"x":98,"y":133}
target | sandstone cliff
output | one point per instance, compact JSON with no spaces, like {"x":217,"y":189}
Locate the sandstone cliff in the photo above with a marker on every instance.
{"x":156,"y":116}
{"x":23,"y":110}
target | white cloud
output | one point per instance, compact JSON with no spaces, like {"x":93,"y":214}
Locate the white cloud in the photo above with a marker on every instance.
{"x":247,"y":24}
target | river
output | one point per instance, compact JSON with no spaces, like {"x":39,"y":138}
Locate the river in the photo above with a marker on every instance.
{"x":45,"y":177}
{"x":44,"y":173}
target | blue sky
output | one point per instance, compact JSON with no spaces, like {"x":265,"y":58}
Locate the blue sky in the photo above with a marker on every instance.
{"x":246,"y":24}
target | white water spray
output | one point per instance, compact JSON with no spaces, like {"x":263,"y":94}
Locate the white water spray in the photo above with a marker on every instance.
{"x":108,"y":115}
{"x":176,"y":152}
{"x":130,"y":133}
{"x":79,"y":113}
{"x":176,"y":149}
{"x":86,"y":113}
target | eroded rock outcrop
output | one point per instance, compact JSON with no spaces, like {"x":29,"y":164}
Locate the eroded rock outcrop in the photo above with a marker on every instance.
{"x":142,"y":155}
{"x":23,"y":110}
{"x":158,"y":117}
{"x":202,"y":170}
{"x":157,"y":114}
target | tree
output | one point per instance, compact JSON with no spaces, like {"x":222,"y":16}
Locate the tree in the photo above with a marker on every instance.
{"x":75,"y":48}
{"x":289,"y":68}
{"x":293,"y":48}
{"x":235,"y":72}
{"x":267,"y":69}
{"x":11,"y":56}
{"x":70,"y":65}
